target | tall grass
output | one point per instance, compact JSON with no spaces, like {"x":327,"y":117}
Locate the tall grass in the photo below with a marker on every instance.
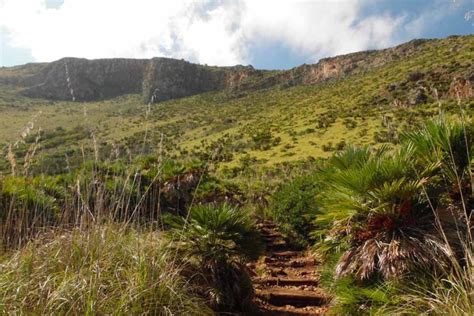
{"x":107,"y":269}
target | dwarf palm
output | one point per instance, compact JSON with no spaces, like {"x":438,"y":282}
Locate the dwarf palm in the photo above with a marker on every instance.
{"x":449,"y":143}
{"x":376,"y":212}
{"x":216,"y":241}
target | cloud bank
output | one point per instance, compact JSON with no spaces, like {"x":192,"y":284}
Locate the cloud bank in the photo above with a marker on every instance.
{"x":211,"y":32}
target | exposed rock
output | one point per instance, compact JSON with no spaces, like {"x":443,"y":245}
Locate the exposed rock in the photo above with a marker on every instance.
{"x":157,"y":79}
{"x":167,"y":78}
{"x":9,"y":80}
{"x":339,"y":66}
{"x":86,"y":80}
{"x":417,"y":96}
{"x":461,"y":88}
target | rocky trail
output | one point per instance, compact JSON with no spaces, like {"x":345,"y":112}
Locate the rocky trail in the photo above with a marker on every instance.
{"x":286,"y":281}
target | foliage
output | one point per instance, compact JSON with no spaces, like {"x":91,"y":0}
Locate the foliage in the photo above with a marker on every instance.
{"x":216,"y":241}
{"x":263,"y":139}
{"x":219,"y":126}
{"x":383,"y":211}
{"x":294,"y":207}
{"x":103,"y":191}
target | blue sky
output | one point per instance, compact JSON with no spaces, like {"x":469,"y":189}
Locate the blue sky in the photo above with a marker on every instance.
{"x":275,"y":34}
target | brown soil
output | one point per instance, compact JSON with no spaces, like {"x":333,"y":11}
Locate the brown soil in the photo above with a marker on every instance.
{"x":286,"y":281}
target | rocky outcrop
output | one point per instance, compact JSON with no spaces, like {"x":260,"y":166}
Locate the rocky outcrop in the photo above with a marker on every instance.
{"x":167,"y":78}
{"x":157,"y":79}
{"x":339,"y":66}
{"x":86,"y":80}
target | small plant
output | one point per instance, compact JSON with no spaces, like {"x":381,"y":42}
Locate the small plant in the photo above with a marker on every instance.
{"x":350,"y":123}
{"x":262,"y":139}
{"x":341,"y":145}
{"x":328,"y":147}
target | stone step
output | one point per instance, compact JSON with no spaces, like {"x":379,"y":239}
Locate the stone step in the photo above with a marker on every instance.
{"x":293,"y":297}
{"x":286,"y":254}
{"x":271,"y":310}
{"x":266,"y":225}
{"x":266,"y":238}
{"x":278,"y":261}
{"x":287,"y":281}
{"x":277,"y":248}
{"x":276,"y":242}
{"x":286,"y":264}
{"x":269,"y":232}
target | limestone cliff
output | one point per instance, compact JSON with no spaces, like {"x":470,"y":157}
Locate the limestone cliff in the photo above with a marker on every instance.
{"x":160,"y":79}
{"x":157,"y":79}
{"x":167,"y":78}
{"x":86,"y":80}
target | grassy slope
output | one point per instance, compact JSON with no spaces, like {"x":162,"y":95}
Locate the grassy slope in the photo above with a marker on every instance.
{"x":292,"y":113}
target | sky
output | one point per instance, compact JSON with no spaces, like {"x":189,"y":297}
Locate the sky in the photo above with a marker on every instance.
{"x":268,"y":34}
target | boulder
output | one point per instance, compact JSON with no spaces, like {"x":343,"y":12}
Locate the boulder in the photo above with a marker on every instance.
{"x":417,"y":96}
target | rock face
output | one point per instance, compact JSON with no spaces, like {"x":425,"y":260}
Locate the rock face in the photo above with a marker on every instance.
{"x":417,"y":96}
{"x":167,"y":78}
{"x":86,"y":80}
{"x":339,"y":66}
{"x":160,"y":79}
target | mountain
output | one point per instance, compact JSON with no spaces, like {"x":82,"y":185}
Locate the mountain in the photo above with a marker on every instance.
{"x":160,"y":79}
{"x":157,"y":79}
{"x":239,"y":114}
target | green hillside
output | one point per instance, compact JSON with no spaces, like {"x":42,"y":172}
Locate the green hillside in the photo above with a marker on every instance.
{"x":268,"y":125}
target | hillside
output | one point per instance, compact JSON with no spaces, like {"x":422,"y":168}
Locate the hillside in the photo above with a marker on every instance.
{"x":162,"y":187}
{"x":238,"y":113}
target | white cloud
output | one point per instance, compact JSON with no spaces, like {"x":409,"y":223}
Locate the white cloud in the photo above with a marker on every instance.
{"x":213,"y":32}
{"x":320,"y":28}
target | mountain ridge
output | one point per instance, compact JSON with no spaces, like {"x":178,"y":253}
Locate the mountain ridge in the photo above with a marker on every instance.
{"x":160,"y":79}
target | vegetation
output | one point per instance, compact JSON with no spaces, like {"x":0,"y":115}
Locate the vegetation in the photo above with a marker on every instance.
{"x":294,"y":207}
{"x":104,"y":270}
{"x":361,"y":109}
{"x":217,"y":241}
{"x":387,"y":216}
{"x":114,"y":207}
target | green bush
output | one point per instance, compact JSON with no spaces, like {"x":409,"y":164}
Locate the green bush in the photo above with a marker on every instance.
{"x":294,"y":207}
{"x":263,"y":139}
{"x":216,"y":241}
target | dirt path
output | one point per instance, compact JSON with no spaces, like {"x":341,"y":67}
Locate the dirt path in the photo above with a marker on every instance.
{"x":286,"y":281}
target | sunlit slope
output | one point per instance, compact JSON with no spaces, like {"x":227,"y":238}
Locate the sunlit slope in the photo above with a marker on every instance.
{"x":275,"y":124}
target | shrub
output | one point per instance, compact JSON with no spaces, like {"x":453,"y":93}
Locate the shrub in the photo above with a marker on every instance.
{"x":389,"y":214}
{"x":328,"y":147}
{"x":341,"y":145}
{"x":294,"y":207}
{"x":216,"y":241}
{"x":377,"y":208}
{"x":263,"y":139}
